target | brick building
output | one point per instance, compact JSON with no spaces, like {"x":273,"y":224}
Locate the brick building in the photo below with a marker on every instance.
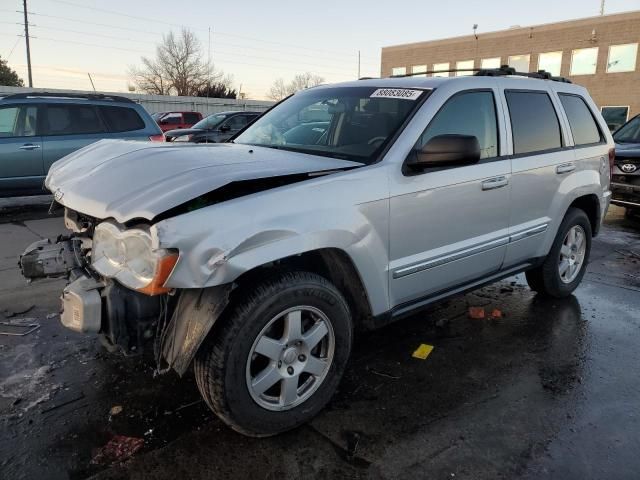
{"x":600,"y":53}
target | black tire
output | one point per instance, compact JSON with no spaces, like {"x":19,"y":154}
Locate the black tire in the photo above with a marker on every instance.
{"x":220,"y":366}
{"x":545,"y":279}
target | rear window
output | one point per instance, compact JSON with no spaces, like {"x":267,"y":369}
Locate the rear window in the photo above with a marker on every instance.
{"x":191,"y":118}
{"x":534,"y":123}
{"x":72,"y":120}
{"x":583,"y":126}
{"x":121,"y":119}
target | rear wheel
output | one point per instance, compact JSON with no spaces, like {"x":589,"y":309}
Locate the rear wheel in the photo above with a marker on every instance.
{"x":565,"y":265}
{"x":276,"y":359}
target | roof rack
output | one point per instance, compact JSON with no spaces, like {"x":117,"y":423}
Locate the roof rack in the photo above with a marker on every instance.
{"x":503,"y":71}
{"x":86,"y":96}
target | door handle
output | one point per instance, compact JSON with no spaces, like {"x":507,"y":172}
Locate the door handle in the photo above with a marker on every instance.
{"x":496,"y":182}
{"x":29,"y":146}
{"x":566,"y":167}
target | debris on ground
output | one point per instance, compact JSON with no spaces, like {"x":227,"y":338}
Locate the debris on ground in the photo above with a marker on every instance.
{"x":423,"y":351}
{"x":476,"y":313}
{"x":19,"y":327}
{"x":496,"y":313}
{"x":383,"y":374}
{"x":51,"y":315}
{"x":118,"y":449}
{"x":67,"y":399}
{"x":115,"y":410}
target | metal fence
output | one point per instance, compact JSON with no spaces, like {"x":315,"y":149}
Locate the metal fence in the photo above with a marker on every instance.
{"x":164,"y":103}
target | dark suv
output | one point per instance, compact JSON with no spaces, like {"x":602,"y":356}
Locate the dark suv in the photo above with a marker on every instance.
{"x":36,"y":129}
{"x":625,"y":180}
{"x":216,"y":128}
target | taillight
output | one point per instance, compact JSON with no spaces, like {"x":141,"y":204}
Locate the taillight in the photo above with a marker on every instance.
{"x":157,"y":138}
{"x":612,"y":158}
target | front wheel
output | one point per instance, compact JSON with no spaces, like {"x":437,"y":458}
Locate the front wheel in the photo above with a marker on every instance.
{"x":276,"y":359}
{"x":565,"y":265}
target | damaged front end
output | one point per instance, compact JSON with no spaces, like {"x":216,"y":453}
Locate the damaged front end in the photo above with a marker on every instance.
{"x":94,"y":302}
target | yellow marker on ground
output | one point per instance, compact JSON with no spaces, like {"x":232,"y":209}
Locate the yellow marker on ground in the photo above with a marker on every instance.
{"x":422,"y":351}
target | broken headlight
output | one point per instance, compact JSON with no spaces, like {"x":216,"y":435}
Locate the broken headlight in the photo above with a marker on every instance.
{"x":127,"y":255}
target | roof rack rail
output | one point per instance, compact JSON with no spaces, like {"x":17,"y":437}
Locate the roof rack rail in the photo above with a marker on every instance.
{"x":503,"y":71}
{"x":86,"y":96}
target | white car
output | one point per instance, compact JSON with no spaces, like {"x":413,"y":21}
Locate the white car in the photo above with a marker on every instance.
{"x":257,"y":260}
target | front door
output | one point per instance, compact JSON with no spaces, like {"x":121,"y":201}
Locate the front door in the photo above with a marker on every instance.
{"x":449,"y":226}
{"x":21,"y":166}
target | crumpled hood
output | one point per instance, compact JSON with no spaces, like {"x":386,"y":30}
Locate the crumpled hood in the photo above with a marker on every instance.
{"x":128,"y":179}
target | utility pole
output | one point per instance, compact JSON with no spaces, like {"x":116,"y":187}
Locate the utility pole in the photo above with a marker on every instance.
{"x":26,"y":36}
{"x":602,"y":7}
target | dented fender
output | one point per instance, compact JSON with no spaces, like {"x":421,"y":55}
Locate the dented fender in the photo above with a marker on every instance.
{"x":219,"y":243}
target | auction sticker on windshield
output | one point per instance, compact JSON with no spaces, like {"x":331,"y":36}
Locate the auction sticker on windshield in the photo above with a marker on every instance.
{"x":404,"y":93}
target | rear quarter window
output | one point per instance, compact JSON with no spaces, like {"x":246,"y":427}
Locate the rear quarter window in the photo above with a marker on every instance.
{"x":121,"y":119}
{"x":584,"y":129}
{"x":534,"y":123}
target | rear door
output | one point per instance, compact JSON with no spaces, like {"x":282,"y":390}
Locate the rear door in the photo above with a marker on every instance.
{"x":542,"y":156}
{"x":21,"y":167}
{"x":69,"y":127}
{"x":449,"y":226}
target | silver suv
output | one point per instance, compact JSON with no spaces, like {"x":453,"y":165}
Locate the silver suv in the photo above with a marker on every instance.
{"x":342,"y":208}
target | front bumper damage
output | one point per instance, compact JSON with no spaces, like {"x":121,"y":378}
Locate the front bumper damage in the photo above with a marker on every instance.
{"x":125,"y":319}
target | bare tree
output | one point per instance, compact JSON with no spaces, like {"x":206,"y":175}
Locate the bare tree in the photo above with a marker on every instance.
{"x":178,"y":68}
{"x":301,"y":81}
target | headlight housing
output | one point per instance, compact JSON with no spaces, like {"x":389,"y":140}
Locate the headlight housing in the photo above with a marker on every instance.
{"x":127,"y":255}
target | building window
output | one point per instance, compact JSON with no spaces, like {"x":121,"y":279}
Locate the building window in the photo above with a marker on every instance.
{"x":441,"y":66}
{"x":520,"y":62}
{"x":489,"y":63}
{"x":464,"y":65}
{"x":622,"y":58}
{"x":615,"y":116}
{"x":550,"y":62}
{"x":584,"y":60}
{"x":418,"y":70}
{"x":399,"y":71}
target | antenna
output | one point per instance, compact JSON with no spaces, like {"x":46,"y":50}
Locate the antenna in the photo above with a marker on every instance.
{"x":358,"y":63}
{"x":602,"y":7}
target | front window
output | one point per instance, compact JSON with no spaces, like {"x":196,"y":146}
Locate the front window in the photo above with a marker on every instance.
{"x":211,"y":121}
{"x":629,"y":133}
{"x":352,"y":123}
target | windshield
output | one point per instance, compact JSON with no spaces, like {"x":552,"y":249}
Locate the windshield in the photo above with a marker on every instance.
{"x":353,"y":123}
{"x":629,"y":133}
{"x":211,"y":121}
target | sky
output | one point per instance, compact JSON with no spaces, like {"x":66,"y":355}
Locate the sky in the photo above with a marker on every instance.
{"x":254,"y":41}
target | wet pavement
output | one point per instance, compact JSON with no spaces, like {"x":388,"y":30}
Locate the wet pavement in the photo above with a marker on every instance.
{"x":550,"y":390}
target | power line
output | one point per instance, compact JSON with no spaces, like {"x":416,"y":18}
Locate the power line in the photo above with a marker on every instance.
{"x":152,"y":20}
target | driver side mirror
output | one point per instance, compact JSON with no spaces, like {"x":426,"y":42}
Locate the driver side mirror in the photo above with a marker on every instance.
{"x":225,"y":128}
{"x":445,"y":151}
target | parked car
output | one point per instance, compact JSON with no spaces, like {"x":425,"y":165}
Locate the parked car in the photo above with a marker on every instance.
{"x":625,"y":181}
{"x":36,"y":129}
{"x":257,"y":259}
{"x":173,"y":120}
{"x":216,"y":128}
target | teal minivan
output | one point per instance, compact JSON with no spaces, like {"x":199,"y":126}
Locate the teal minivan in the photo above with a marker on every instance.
{"x":36,"y":129}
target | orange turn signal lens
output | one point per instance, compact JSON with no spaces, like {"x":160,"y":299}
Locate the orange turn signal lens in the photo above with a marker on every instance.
{"x":165,"y":267}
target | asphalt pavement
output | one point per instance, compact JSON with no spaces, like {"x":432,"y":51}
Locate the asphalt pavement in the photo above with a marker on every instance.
{"x":548,"y":389}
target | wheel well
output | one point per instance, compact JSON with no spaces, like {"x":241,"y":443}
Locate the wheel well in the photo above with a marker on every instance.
{"x":333,"y":264}
{"x":591,"y":206}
